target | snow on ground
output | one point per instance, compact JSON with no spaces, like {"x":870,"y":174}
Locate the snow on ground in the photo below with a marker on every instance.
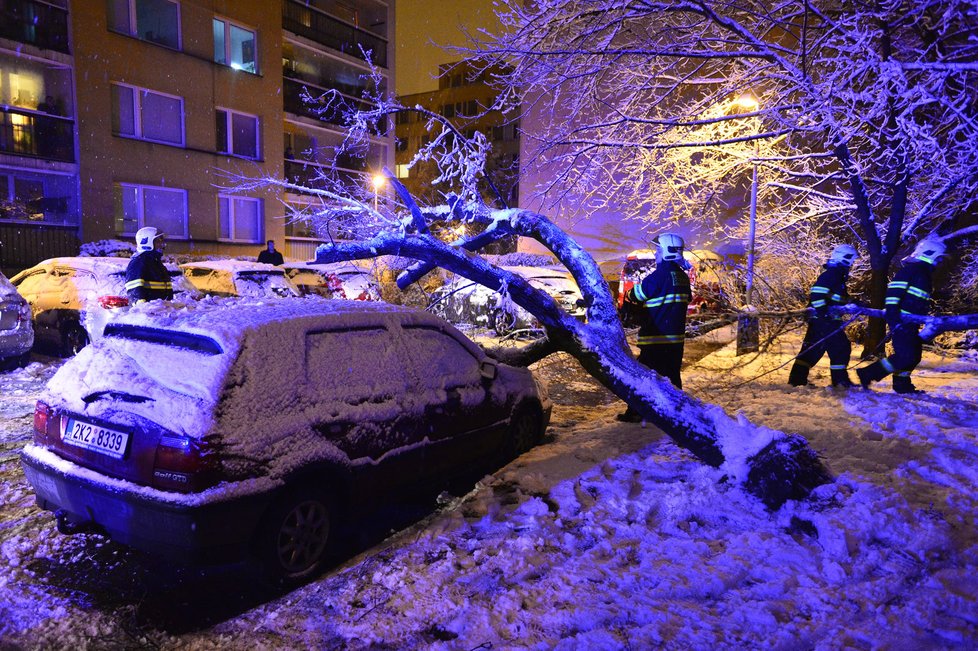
{"x":607,"y":536}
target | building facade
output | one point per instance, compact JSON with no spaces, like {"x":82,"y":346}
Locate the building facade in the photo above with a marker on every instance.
{"x":124,"y":113}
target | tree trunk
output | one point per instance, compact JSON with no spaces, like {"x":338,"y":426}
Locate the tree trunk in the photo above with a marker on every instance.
{"x":875,"y":326}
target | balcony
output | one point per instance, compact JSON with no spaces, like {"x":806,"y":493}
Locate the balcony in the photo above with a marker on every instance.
{"x":314,"y":25}
{"x":35,"y":23}
{"x":309,"y":174}
{"x":334,"y":112}
{"x":26,"y":133}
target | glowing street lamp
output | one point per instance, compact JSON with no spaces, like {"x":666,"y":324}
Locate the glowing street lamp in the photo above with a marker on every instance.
{"x":379,"y":181}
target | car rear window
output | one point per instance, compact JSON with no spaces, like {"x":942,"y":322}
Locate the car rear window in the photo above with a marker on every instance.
{"x":175,"y":338}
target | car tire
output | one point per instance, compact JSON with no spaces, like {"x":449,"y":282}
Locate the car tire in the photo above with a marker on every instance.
{"x":524,"y":431}
{"x":73,"y":339}
{"x":502,"y":322}
{"x":295,"y":536}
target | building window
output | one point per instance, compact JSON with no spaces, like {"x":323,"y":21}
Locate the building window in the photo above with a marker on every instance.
{"x":157,"y":21}
{"x":145,"y":205}
{"x":235,"y":46}
{"x":237,"y":133}
{"x":34,"y":197}
{"x":147,"y":115}
{"x":403,"y":171}
{"x":239,"y":219}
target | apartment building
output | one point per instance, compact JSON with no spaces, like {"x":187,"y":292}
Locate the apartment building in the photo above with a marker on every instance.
{"x":124,"y":113}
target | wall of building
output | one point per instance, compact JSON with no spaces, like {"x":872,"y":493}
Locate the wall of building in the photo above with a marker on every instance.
{"x":105,"y":57}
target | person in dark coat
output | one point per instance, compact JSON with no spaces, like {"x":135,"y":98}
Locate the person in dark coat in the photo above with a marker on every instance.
{"x":665,"y":294}
{"x":147,"y":278}
{"x":270,"y":256}
{"x":908,"y":293}
{"x":826,"y":333}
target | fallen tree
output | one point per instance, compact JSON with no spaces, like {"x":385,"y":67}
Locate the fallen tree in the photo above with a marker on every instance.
{"x":774,"y":466}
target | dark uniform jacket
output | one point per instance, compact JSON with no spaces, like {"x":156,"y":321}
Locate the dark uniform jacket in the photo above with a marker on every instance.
{"x":909,"y":291}
{"x":147,"y":278}
{"x":665,"y":293}
{"x":829,"y":290}
{"x":270,"y":257}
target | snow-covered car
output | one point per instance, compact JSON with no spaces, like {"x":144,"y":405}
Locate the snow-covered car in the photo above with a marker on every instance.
{"x":463,"y":301}
{"x":238,"y":278}
{"x":350,"y":280}
{"x":16,"y":330}
{"x":63,"y":292}
{"x":296,"y":414}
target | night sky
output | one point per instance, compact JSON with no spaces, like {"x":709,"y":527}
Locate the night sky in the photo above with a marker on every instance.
{"x":424,"y":25}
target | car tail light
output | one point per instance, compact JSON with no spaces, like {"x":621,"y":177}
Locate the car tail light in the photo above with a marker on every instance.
{"x":47,"y":424}
{"x":110,"y":302}
{"x":182,"y":464}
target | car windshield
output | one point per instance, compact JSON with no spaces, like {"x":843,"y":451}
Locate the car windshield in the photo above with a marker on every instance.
{"x":261,"y":283}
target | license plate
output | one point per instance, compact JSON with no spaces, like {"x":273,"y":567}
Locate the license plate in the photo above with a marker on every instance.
{"x":99,"y":439}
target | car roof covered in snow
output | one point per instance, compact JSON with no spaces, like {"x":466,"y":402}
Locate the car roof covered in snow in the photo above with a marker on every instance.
{"x":228,"y":320}
{"x":232,"y":266}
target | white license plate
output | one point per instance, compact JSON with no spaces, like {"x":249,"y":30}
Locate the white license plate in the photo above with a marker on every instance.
{"x":95,"y":437}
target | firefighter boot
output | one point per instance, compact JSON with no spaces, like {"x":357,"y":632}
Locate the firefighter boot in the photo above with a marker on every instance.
{"x":799,"y":375}
{"x":872,"y":373}
{"x":902,"y":384}
{"x":840,"y":378}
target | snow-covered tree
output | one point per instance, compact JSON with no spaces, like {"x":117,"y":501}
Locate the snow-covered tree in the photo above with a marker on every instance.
{"x":863,"y":123}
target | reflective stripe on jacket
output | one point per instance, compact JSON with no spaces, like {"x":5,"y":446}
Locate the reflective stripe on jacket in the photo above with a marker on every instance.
{"x":909,"y":291}
{"x":147,"y":278}
{"x":829,"y":289}
{"x":665,"y":293}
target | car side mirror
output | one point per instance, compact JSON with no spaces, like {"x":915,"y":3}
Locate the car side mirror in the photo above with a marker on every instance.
{"x":488,"y":371}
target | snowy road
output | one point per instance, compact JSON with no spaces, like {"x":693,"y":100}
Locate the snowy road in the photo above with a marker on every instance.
{"x":607,"y":536}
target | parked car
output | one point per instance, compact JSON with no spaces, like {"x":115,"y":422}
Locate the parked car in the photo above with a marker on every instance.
{"x":297,"y":414}
{"x":238,"y":278}
{"x":63,"y":291}
{"x":16,"y":330}
{"x":351,"y":280}
{"x":467,"y":302}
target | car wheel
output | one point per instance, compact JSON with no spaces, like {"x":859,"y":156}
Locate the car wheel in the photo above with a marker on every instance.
{"x":73,"y":339}
{"x":524,"y":431}
{"x":502,"y":322}
{"x":294,"y":536}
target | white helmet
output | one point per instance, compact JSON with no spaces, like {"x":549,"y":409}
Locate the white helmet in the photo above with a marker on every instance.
{"x":843,"y":254}
{"x":146,"y":238}
{"x":670,"y":247}
{"x":929,"y":250}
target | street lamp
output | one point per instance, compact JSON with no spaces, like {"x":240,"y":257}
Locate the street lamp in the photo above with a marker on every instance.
{"x":378,"y":180}
{"x":748,"y":335}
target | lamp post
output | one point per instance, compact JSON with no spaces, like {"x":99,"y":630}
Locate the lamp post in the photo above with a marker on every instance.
{"x":748,"y":330}
{"x":378,"y":180}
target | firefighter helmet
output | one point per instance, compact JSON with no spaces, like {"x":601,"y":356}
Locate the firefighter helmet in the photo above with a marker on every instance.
{"x":843,"y":254}
{"x":929,"y":250}
{"x":670,"y":247}
{"x":146,"y":238}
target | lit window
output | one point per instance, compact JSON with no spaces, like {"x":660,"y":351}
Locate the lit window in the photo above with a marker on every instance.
{"x":403,"y":171}
{"x":234,"y":46}
{"x":237,"y":134}
{"x":148,"y":115}
{"x":239,"y":219}
{"x":157,"y":21}
{"x":144,"y":205}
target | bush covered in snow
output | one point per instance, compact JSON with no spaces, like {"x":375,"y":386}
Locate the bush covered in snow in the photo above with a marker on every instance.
{"x":108,"y":248}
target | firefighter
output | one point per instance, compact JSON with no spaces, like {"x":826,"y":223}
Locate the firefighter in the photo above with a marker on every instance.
{"x":908,"y":293}
{"x":664,"y":294}
{"x":146,"y":277}
{"x":826,"y":333}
